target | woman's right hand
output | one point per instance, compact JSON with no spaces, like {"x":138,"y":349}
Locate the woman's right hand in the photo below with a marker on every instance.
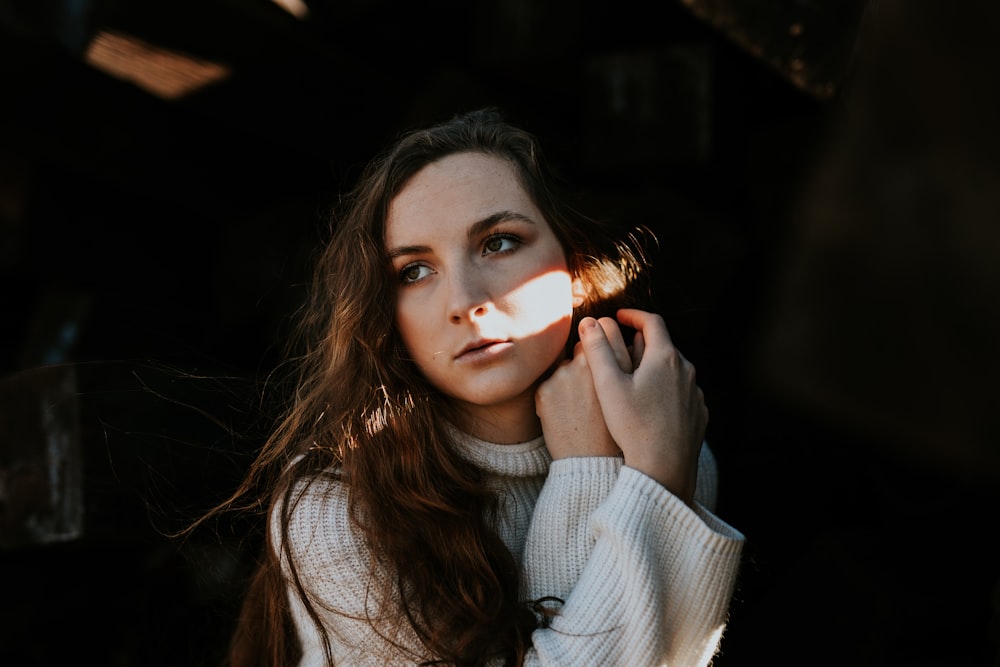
{"x":566,"y":403}
{"x":656,"y":413}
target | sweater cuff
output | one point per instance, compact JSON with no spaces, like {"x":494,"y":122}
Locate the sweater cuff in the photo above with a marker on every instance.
{"x":574,"y":489}
{"x":635,"y":490}
{"x":600,"y":466}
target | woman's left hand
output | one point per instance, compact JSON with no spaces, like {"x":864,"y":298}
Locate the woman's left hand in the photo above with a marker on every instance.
{"x":657,"y":412}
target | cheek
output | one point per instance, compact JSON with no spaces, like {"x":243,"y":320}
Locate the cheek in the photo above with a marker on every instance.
{"x":422,"y":337}
{"x":410,"y":326}
{"x":544,"y":302}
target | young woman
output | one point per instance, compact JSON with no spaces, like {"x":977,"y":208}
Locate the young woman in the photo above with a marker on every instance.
{"x":473,"y":469}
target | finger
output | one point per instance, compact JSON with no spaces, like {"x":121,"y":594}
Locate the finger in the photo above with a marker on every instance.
{"x":638,"y":347}
{"x":601,"y":359}
{"x":614,"y":335}
{"x":650,"y":325}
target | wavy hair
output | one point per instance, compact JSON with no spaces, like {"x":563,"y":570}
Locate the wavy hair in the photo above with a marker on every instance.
{"x":362,"y":411}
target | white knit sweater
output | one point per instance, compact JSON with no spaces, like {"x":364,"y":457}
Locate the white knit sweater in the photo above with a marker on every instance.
{"x":646,"y":579}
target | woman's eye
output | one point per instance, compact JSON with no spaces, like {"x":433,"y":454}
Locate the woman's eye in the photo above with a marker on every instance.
{"x":414,"y":273}
{"x":500,"y":243}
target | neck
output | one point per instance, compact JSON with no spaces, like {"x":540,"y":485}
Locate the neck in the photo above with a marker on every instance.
{"x":508,"y":423}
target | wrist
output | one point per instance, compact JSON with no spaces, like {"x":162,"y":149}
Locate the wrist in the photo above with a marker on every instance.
{"x":676,"y":479}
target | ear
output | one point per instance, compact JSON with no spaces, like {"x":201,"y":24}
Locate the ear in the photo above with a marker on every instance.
{"x":579,"y":293}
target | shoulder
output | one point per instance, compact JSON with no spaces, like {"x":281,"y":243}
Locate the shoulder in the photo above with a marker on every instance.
{"x":321,"y":550}
{"x":319,"y":531}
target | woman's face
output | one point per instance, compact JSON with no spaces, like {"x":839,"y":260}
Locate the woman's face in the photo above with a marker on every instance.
{"x":484,"y":297}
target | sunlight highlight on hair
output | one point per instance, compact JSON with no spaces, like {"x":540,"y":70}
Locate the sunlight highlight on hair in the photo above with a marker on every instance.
{"x":608,"y":281}
{"x":382,"y":415}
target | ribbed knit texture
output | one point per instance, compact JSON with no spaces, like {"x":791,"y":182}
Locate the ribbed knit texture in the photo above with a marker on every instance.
{"x":645,"y":579}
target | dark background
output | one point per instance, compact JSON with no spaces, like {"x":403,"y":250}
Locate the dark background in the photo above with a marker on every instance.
{"x":823,"y":179}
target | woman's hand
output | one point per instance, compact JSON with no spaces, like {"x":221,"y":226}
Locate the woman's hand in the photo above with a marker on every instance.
{"x":656,"y":413}
{"x":566,"y":403}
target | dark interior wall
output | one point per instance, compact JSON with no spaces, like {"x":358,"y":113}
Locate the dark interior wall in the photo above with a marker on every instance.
{"x":825,"y":206}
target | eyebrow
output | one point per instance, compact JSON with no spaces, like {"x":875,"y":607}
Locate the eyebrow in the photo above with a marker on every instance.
{"x":475,"y":230}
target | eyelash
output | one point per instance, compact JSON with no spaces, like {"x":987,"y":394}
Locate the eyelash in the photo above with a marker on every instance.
{"x":498,"y":236}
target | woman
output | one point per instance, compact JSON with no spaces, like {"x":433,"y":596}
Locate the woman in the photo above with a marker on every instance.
{"x":473,"y":469}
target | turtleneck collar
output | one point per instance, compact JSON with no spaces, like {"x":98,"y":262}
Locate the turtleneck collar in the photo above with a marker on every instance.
{"x":521,"y":459}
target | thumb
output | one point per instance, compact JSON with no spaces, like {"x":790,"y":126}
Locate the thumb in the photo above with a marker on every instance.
{"x":601,"y":359}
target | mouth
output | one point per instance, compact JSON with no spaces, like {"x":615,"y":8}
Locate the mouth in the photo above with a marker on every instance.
{"x":483,"y":349}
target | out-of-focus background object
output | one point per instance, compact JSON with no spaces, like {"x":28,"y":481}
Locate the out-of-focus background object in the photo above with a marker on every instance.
{"x":888,"y":311}
{"x":41,"y":499}
{"x":821,"y":175}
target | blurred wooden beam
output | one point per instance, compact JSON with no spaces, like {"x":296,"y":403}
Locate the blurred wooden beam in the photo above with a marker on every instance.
{"x":809,"y":43}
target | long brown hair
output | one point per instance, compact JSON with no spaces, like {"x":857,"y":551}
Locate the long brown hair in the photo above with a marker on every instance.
{"x":363,"y":412}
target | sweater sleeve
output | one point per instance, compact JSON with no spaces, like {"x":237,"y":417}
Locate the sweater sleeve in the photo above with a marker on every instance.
{"x":645,"y":579}
{"x":560,"y":539}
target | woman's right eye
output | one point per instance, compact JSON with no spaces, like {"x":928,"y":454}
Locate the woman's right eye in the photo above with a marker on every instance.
{"x":414,"y":273}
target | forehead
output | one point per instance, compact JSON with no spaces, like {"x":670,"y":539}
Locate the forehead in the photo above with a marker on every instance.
{"x":457,"y":190}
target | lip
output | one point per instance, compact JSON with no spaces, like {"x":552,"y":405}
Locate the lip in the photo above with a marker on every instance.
{"x":483,"y":350}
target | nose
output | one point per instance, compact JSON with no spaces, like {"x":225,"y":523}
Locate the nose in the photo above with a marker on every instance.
{"x":468,"y":297}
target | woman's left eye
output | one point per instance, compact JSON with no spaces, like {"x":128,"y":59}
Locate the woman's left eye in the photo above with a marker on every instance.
{"x":500,"y":243}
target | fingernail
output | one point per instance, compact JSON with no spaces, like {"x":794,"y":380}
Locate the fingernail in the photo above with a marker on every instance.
{"x":587,"y":323}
